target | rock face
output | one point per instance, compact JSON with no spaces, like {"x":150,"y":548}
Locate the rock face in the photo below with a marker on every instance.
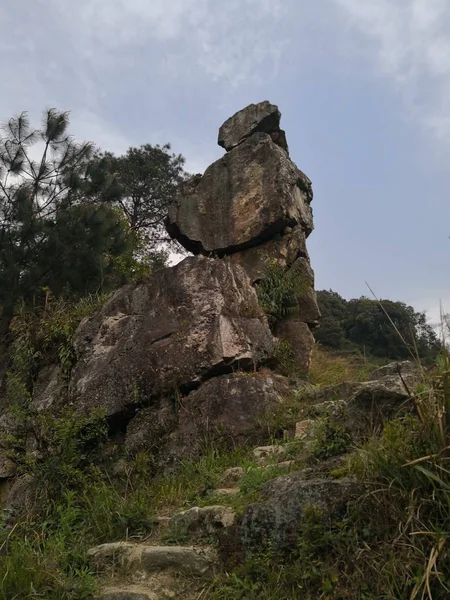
{"x":180,"y":327}
{"x":285,"y":248}
{"x":225,"y":408}
{"x":245,"y":198}
{"x":177,"y":359}
{"x":253,"y":207}
{"x":279,"y":519}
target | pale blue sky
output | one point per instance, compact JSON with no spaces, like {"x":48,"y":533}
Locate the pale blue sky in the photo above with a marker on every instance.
{"x":363,"y":86}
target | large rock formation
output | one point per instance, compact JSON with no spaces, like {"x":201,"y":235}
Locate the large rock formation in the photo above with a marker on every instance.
{"x":182,"y":326}
{"x":177,"y":358}
{"x":253,"y":207}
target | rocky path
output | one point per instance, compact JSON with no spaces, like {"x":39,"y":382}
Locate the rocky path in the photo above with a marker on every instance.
{"x":186,"y":551}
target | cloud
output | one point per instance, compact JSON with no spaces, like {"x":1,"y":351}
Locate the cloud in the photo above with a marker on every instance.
{"x":409,"y":40}
{"x":225,"y":41}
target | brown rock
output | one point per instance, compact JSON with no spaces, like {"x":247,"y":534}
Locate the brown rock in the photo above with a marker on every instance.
{"x":225,"y":408}
{"x":19,"y":497}
{"x":142,"y":560}
{"x":127,"y":592}
{"x":409,"y":371}
{"x":263,"y":117}
{"x":245,"y":198}
{"x":48,"y":388}
{"x":363,"y":407}
{"x":182,"y":325}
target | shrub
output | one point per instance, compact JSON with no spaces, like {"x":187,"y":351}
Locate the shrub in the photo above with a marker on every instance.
{"x":280,"y":289}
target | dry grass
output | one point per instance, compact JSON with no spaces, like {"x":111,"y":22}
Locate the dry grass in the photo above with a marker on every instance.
{"x":329,"y":367}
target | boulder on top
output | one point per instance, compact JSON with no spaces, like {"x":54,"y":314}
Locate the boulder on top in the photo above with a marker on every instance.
{"x":245,"y":198}
{"x":176,"y":329}
{"x":263,"y":117}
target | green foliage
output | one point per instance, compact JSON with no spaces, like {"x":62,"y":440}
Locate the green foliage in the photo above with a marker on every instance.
{"x":280,"y":290}
{"x":49,"y":235}
{"x":285,"y":358}
{"x":45,"y":336}
{"x":374,"y":327}
{"x":317,"y":567}
{"x":331,"y":439}
{"x":142,"y":183}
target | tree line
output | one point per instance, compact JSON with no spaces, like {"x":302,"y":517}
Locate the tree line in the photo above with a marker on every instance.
{"x":378,"y":328}
{"x":75,"y":219}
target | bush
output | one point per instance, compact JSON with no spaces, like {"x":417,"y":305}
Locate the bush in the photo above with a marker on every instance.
{"x":280,"y":289}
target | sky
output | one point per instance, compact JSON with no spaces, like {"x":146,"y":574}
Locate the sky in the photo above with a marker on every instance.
{"x":363,"y":87}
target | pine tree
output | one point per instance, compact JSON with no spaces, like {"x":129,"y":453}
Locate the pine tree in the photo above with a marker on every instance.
{"x":47,"y":231}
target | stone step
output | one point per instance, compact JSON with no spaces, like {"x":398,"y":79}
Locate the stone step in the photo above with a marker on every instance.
{"x":267,"y":454}
{"x":231,"y":476}
{"x":205,"y":519}
{"x":127,"y":592}
{"x":226,"y":492}
{"x":140,"y":561}
{"x":305,"y":429}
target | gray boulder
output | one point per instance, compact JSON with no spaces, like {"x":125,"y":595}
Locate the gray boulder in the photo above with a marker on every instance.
{"x":225,"y":408}
{"x":408,"y":370}
{"x":263,"y":117}
{"x":181,"y":326}
{"x":279,"y":519}
{"x":364,"y":407}
{"x":244,"y":199}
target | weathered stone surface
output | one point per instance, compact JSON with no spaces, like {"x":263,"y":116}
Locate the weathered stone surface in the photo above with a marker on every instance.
{"x":231,"y":476}
{"x":181,"y":326}
{"x":284,"y":249}
{"x":408,"y":370}
{"x":363,"y":407}
{"x":225,"y":492}
{"x":145,"y":560}
{"x":301,"y":341}
{"x":267,"y":454}
{"x":19,"y":496}
{"x":149,"y":425}
{"x":225,"y":408}
{"x":245,"y":198}
{"x":279,"y":519}
{"x":204,"y":520}
{"x":304,"y":429}
{"x":48,"y":388}
{"x":127,"y":592}
{"x":263,"y":117}
{"x":305,"y":304}
{"x":8,"y":468}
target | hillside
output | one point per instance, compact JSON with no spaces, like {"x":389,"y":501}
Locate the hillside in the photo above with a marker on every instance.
{"x":178,"y":432}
